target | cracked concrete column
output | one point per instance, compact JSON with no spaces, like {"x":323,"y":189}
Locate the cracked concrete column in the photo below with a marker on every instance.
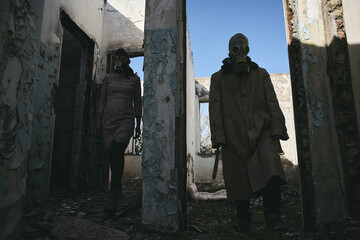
{"x":325,"y":120}
{"x":19,"y":50}
{"x":161,"y":176}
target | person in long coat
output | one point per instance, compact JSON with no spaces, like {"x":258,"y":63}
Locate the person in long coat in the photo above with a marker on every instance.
{"x":247,"y":123}
{"x":119,"y":106}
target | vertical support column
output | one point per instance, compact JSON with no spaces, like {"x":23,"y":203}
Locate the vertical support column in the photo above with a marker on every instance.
{"x":163,"y":113}
{"x":300,"y":113}
{"x":351,"y":21}
{"x":324,"y":195}
{"x":344,"y":98}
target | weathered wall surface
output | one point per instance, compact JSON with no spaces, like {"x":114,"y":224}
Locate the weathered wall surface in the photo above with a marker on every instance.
{"x":42,"y":126}
{"x":351,"y":19}
{"x":192,"y":113}
{"x":344,"y":99}
{"x":79,"y":12}
{"x":88,"y":15}
{"x":19,"y":58}
{"x":351,"y":14}
{"x":51,"y":40}
{"x":323,"y":107}
{"x":160,"y":206}
{"x":31,"y":34}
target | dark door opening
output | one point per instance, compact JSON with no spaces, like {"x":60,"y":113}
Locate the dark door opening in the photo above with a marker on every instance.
{"x":71,"y":107}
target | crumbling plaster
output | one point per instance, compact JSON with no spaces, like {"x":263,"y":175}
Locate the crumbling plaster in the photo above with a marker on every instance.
{"x":160,"y":203}
{"x":326,"y":161}
{"x":160,"y":176}
{"x":324,"y":111}
{"x":20,"y":30}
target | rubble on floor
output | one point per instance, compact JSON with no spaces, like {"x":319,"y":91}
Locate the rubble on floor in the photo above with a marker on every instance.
{"x":205,"y":219}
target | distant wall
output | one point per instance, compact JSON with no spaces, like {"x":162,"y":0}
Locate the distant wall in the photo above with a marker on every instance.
{"x":282,"y":86}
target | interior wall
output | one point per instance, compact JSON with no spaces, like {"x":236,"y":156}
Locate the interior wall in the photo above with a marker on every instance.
{"x":20,"y":52}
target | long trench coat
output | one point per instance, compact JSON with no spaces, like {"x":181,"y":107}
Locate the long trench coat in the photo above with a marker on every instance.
{"x":244,"y":117}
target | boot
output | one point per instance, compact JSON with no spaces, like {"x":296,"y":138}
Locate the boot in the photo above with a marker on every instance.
{"x":244,"y":216}
{"x":245,"y":225}
{"x":111,"y":203}
{"x":273,"y":221}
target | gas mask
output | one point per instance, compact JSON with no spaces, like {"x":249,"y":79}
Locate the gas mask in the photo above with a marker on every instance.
{"x":238,"y":50}
{"x":120,"y":62}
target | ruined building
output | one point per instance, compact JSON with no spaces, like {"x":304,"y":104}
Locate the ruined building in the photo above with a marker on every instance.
{"x":53,"y":55}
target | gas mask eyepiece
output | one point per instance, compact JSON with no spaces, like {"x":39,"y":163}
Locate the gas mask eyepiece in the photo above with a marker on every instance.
{"x":117,"y":64}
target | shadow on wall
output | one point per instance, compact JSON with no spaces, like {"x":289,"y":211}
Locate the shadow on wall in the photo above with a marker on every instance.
{"x":326,"y":127}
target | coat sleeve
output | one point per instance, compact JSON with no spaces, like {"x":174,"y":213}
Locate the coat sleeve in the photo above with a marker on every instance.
{"x":137,"y":98}
{"x":103,"y":96}
{"x":278,"y":127}
{"x":215,"y":112}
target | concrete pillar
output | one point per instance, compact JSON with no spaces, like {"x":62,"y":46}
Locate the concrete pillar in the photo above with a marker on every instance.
{"x":312,"y":34}
{"x":351,"y":10}
{"x":163,"y":107}
{"x":19,"y":52}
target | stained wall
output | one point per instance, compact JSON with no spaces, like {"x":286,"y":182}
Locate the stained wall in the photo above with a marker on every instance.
{"x":324,"y":109}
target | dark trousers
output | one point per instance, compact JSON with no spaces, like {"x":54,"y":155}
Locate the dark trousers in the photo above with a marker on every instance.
{"x":116,"y":160}
{"x":271,"y":201}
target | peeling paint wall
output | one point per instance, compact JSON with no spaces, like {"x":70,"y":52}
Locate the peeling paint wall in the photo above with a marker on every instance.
{"x":323,"y":106}
{"x":160,"y":206}
{"x":329,"y":197}
{"x":43,"y":118}
{"x":47,"y":80}
{"x":20,"y":34}
{"x":31,"y":33}
{"x":300,"y":113}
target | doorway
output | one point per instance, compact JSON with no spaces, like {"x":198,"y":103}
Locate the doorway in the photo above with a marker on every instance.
{"x":70,"y":105}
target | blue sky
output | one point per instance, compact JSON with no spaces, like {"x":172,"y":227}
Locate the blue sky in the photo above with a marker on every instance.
{"x":213,"y":22}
